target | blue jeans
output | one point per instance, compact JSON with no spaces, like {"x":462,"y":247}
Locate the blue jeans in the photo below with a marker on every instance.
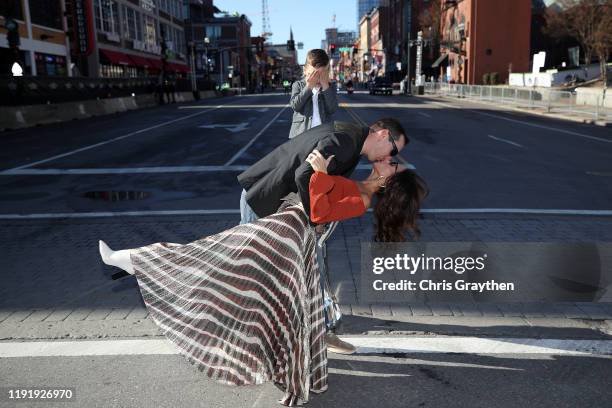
{"x":247,"y":214}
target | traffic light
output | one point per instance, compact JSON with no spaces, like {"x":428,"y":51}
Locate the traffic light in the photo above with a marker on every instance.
{"x":332,"y":49}
{"x":12,"y":35}
{"x":290,"y":45}
{"x":355,"y":50}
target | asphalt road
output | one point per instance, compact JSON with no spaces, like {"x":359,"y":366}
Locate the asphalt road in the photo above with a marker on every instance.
{"x":187,"y":157}
{"x":417,"y":380}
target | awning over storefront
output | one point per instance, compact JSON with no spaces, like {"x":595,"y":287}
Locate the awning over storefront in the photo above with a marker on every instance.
{"x":155,"y":63}
{"x":176,"y":67}
{"x":439,"y":60}
{"x":115,"y":57}
{"x":140,"y":61}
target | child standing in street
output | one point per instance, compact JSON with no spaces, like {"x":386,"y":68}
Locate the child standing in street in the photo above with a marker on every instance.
{"x":313,"y":100}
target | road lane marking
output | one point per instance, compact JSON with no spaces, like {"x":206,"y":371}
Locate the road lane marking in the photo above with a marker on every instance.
{"x":132,"y":170}
{"x":232,"y":127}
{"x":534,"y":211}
{"x":102,"y":214}
{"x":504,"y":140}
{"x":599,"y":173}
{"x":427,"y":115}
{"x":82,"y":149}
{"x":361,"y":373}
{"x":230,"y":211}
{"x":235,"y":106}
{"x":364,"y":344}
{"x":141,"y":170}
{"x":569,"y":132}
{"x":395,"y":105}
{"x":477,"y":345}
{"x":237,"y":155}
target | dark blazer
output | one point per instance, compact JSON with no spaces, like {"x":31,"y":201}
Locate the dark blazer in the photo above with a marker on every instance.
{"x":284,"y":170}
{"x":301,"y":103}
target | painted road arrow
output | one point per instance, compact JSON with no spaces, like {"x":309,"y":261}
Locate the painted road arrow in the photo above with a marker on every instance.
{"x":239,"y":127}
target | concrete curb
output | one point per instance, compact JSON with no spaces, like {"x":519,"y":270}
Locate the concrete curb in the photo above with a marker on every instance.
{"x":18,"y":117}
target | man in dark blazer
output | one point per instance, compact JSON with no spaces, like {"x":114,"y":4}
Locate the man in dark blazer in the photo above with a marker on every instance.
{"x":285,"y":170}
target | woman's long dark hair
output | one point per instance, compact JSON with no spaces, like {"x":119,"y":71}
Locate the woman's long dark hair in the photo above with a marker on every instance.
{"x":397,"y":207}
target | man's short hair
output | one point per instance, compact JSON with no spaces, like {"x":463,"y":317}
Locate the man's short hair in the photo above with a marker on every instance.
{"x":393,"y":126}
{"x":317,"y":58}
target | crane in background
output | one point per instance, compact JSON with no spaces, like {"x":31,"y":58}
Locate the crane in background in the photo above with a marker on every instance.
{"x":265,"y":20}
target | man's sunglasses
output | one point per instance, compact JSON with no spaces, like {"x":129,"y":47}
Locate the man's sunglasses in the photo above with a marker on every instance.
{"x":395,"y":150}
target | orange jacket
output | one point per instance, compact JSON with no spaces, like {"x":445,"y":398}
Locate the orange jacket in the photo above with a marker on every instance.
{"x":334,"y":198}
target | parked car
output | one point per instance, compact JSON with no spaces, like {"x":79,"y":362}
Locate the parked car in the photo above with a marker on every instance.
{"x":380,"y":85}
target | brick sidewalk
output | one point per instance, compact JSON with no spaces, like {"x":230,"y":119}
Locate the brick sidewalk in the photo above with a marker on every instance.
{"x":51,"y":270}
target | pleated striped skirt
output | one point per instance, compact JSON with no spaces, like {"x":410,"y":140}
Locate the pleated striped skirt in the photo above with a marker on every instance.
{"x":244,"y":305}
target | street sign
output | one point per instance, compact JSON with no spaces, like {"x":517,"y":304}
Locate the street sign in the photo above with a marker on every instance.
{"x":538,"y":61}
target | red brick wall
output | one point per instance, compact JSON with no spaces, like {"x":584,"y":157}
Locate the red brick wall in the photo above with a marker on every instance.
{"x":503,"y":27}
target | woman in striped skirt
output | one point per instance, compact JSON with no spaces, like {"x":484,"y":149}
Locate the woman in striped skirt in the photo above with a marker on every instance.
{"x":245,"y":305}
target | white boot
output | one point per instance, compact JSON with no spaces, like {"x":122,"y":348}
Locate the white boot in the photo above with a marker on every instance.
{"x":120,"y":259}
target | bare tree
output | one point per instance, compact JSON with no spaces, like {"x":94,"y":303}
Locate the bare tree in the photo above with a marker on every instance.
{"x":587,"y":21}
{"x":429,"y":22}
{"x":602,"y":45}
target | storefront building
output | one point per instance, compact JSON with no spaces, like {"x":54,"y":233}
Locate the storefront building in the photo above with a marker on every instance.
{"x":43,"y":45}
{"x":125,"y":38}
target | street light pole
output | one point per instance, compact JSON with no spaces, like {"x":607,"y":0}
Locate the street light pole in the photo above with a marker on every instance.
{"x":408,"y":87}
{"x":222,"y":77}
{"x":193,"y":72}
{"x":206,"y":43}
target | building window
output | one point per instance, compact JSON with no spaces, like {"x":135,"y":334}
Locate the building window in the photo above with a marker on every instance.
{"x":11,"y":8}
{"x":213,"y":32}
{"x":150,"y":37}
{"x":179,"y":41}
{"x":132,"y":24}
{"x":107,"y":16}
{"x":179,"y":11}
{"x":228,"y":32}
{"x":50,"y":65}
{"x":118,"y":71}
{"x":163,"y":5}
{"x":46,"y":13}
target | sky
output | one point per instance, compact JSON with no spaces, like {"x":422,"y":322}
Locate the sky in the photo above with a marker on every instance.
{"x":308,"y":19}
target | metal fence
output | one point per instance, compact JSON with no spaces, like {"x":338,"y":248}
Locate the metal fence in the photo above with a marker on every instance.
{"x":32,"y":90}
{"x":549,"y":100}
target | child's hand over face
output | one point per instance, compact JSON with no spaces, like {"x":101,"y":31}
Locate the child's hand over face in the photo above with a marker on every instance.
{"x":312,"y":78}
{"x":323,"y":78}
